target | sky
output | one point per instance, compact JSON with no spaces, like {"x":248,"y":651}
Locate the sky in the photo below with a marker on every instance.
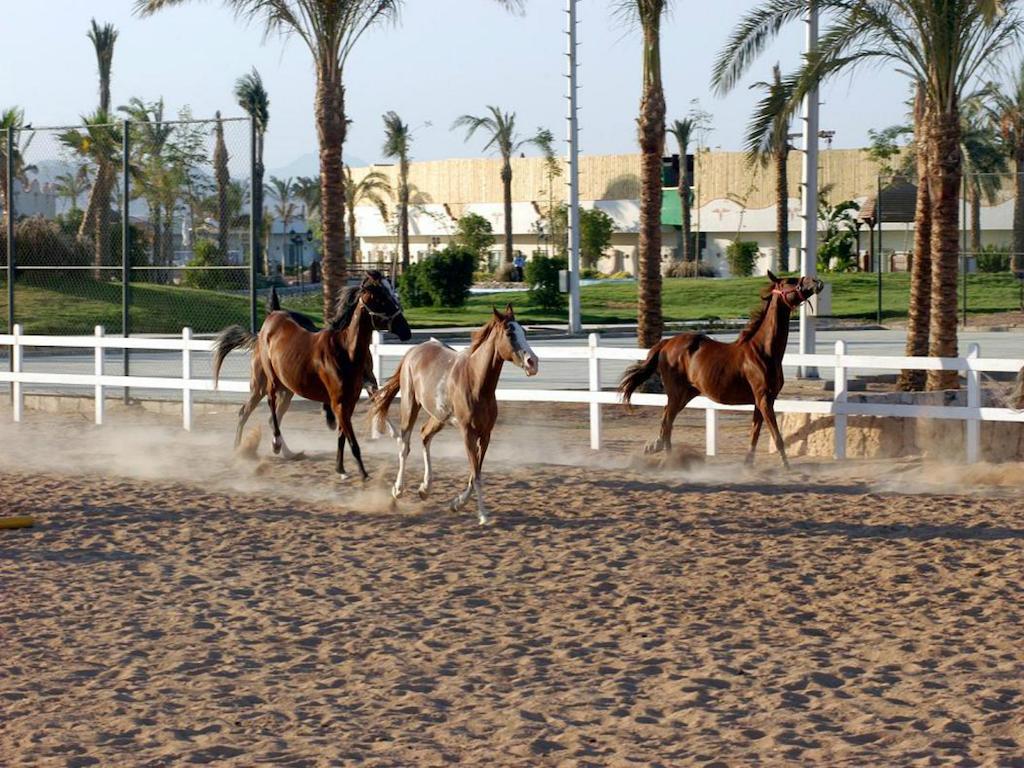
{"x":442,"y":59}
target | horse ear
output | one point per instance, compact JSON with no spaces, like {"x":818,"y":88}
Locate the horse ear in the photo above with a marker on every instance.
{"x":772,"y":277}
{"x":497,"y":314}
{"x":509,"y":313}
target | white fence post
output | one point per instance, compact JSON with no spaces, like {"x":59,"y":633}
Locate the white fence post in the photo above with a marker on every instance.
{"x":839,"y":402}
{"x":593,"y":342}
{"x":17,"y":404}
{"x":711,"y":431}
{"x":98,"y":371}
{"x":186,"y":378}
{"x":973,"y":402}
{"x":377,"y":339}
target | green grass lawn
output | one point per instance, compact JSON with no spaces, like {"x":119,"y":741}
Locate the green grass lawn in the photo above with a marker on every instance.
{"x":56,"y":304}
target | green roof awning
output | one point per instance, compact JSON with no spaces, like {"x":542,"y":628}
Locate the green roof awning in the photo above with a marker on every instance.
{"x":671,"y":211}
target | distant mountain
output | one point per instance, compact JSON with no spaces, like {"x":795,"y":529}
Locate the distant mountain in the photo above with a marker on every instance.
{"x":309,"y":165}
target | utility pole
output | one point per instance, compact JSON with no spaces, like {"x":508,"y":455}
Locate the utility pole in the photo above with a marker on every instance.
{"x":575,"y":325}
{"x":809,"y":188}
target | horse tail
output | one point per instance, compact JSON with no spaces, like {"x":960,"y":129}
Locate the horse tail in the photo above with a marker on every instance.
{"x":384,"y":396}
{"x":234,"y":337}
{"x":274,"y":303}
{"x":638,"y":373}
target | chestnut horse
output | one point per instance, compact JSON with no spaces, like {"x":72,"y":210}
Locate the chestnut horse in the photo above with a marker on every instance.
{"x":747,"y":371}
{"x":455,"y":388}
{"x":326,"y":366}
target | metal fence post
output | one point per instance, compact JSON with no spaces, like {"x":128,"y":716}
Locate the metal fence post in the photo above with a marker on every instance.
{"x":377,"y":339}
{"x":186,"y":378}
{"x":594,"y":341}
{"x":839,"y":401}
{"x":255,"y":195}
{"x":9,"y":194}
{"x":98,"y":371}
{"x":17,"y":405}
{"x":973,"y":403}
{"x":711,"y":432}
{"x":126,"y":261}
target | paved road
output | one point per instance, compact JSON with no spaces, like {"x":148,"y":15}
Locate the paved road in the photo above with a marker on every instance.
{"x":554,"y":374}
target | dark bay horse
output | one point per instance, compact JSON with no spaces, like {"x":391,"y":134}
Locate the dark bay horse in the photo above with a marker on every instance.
{"x":455,"y":388}
{"x":326,"y":366}
{"x":747,"y":371}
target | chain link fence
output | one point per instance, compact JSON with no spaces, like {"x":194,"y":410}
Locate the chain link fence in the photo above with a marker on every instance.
{"x":142,"y":226}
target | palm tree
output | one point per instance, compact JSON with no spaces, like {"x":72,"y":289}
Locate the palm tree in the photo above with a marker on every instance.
{"x":682,"y":130}
{"x":13,"y":119}
{"x":307,"y":189}
{"x":984,"y":160}
{"x":647,"y":14}
{"x":330,"y":30}
{"x":283,"y":190}
{"x":500,"y":130}
{"x":253,"y":98}
{"x":942,"y":44}
{"x":768,"y":141}
{"x":73,"y":185}
{"x":545,"y":141}
{"x":1008,"y":113}
{"x":397,"y":138}
{"x":103,"y":39}
{"x":373,"y":189}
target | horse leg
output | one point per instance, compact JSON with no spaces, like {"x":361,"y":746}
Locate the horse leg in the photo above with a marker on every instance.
{"x":282,"y":409}
{"x":339,"y":461}
{"x":475,"y":449}
{"x":755,"y":433}
{"x":350,"y":433}
{"x":766,"y":405}
{"x":478,"y":481}
{"x":371,"y":386}
{"x":410,"y":410}
{"x":677,"y":399}
{"x":272,"y":399}
{"x":245,"y":412}
{"x":427,"y":432}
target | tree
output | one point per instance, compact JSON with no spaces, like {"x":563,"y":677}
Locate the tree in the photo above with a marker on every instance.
{"x":682,"y":130}
{"x":942,"y":44}
{"x":545,"y":141}
{"x":397,"y":139}
{"x":283,"y":191}
{"x":222,"y":176}
{"x":647,"y":14}
{"x":888,"y":152}
{"x":330,"y":30}
{"x":984,"y":160}
{"x":373,"y":189}
{"x":596,"y":229}
{"x":768,"y":141}
{"x":73,"y":185}
{"x":499,"y":129}
{"x":836,"y":251}
{"x":307,"y":189}
{"x":1008,"y":114}
{"x":475,"y":234}
{"x":13,"y":119}
{"x":153,"y":175}
{"x":252,"y":97}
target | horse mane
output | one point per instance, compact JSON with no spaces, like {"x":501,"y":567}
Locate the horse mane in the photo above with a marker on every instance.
{"x":346,"y":308}
{"x":757,"y":316}
{"x":479,"y":336}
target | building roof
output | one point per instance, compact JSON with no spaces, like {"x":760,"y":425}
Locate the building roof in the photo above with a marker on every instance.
{"x":898,"y":202}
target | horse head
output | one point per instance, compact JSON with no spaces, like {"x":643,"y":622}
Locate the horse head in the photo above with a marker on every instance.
{"x":511,"y":343}
{"x":794,"y":291}
{"x":380,"y":300}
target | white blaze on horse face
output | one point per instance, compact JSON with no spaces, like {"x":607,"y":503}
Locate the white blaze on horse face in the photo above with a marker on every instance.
{"x":523,"y":354}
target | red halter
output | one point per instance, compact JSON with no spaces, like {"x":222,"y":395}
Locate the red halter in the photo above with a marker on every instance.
{"x":784,"y":295}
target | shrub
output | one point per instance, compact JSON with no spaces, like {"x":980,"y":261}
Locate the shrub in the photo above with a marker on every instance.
{"x":474,"y":233}
{"x":994,"y":258}
{"x":542,"y":276}
{"x":440,"y":280}
{"x":691,"y":269}
{"x":206,"y":254}
{"x":741,"y":255}
{"x":39,"y":242}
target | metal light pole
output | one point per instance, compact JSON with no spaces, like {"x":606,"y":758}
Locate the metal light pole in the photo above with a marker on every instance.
{"x":575,"y":326}
{"x":809,"y":229}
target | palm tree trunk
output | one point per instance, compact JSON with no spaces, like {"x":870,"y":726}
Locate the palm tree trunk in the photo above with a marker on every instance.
{"x":782,"y":209}
{"x":651,"y":129}
{"x":257,"y":203}
{"x":157,"y":234}
{"x":506,"y":184}
{"x":687,"y":253}
{"x":1018,"y":207}
{"x":352,"y":235}
{"x":403,"y":214}
{"x":330,"y":128}
{"x":944,"y":175}
{"x":975,"y":220}
{"x":919,"y":309}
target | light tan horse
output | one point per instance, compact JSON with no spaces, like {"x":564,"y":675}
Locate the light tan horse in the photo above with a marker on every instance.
{"x":455,"y":388}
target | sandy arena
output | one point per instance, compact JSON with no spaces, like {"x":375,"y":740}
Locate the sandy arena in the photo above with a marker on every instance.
{"x":177,"y":605}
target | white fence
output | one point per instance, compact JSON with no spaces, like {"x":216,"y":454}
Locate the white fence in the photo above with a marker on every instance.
{"x":972,"y":365}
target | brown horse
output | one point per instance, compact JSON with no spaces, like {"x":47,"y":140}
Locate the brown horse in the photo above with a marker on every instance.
{"x":747,"y":371}
{"x":327,"y":366}
{"x":455,"y":388}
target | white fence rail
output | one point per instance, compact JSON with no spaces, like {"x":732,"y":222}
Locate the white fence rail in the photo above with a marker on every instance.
{"x":838,"y":407}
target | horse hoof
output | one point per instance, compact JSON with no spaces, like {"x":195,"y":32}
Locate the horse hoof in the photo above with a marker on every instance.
{"x":652,"y":447}
{"x":396,"y":492}
{"x":454,"y":506}
{"x":422,"y":493}
{"x":342,"y":476}
{"x":484,"y":520}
